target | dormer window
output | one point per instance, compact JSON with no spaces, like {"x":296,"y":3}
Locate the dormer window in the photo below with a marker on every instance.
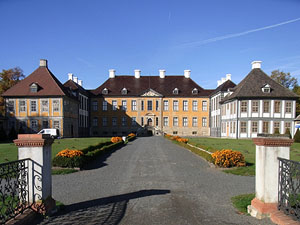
{"x":175,"y":91}
{"x":105,"y":91}
{"x":124,"y":91}
{"x":33,"y":88}
{"x":266,"y":88}
{"x":195,"y":91}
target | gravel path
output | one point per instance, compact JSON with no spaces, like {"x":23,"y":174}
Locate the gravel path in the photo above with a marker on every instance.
{"x":151,"y":181}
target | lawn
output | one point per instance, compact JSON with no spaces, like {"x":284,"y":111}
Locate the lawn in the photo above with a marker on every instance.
{"x":245,"y":146}
{"x":9,"y":152}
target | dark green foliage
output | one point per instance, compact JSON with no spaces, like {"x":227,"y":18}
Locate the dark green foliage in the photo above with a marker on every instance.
{"x":276,"y":131}
{"x":21,"y":130}
{"x":12,"y":135}
{"x":297,"y":136}
{"x":3,"y":136}
{"x":131,"y":138}
{"x":77,"y":161}
{"x":288,"y":132}
{"x":94,"y":147}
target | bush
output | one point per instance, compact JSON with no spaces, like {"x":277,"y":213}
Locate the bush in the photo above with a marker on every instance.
{"x":116,"y":139}
{"x":69,"y":153}
{"x":94,"y":147}
{"x":288,"y":132}
{"x":3,"y":136}
{"x":297,"y":136}
{"x":276,"y":131}
{"x":131,"y":135}
{"x":69,"y":158}
{"x":228,"y":158}
{"x":12,"y":135}
{"x":183,"y":140}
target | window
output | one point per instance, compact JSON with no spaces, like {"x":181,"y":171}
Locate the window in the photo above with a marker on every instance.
{"x":104,"y":105}
{"x":156,"y":121}
{"x":185,"y":105}
{"x":124,"y":121}
{"x":266,"y":127}
{"x":204,"y":105}
{"x":56,"y":124}
{"x":204,"y":122}
{"x":231,"y":108}
{"x":195,"y":91}
{"x":114,"y":105}
{"x":175,"y":91}
{"x":142,"y":121}
{"x":175,"y":121}
{"x":266,"y":89}
{"x":244,"y":105}
{"x":105,"y":91}
{"x":133,"y":121}
{"x":254,"y":106}
{"x":22,"y":106}
{"x":195,"y":122}
{"x":124,"y":105}
{"x":149,"y":105}
{"x":45,"y":124}
{"x":166,"y":121}
{"x":243,"y":127}
{"x":33,"y":106}
{"x":142,"y":105}
{"x":175,"y":132}
{"x":254,"y":126}
{"x":95,"y":122}
{"x":266,"y":107}
{"x":33,"y":88}
{"x":166,"y":105}
{"x":184,"y":121}
{"x":233,"y":127}
{"x":276,"y":127}
{"x":133,"y":105}
{"x":157,"y":105}
{"x":95,"y":106}
{"x":277,"y":106}
{"x":104,"y":121}
{"x":195,"y":105}
{"x":194,"y":132}
{"x":234,"y":107}
{"x":34,"y":125}
{"x":287,"y":125}
{"x":55,"y":105}
{"x":114,"y":121}
{"x":288,"y":107}
{"x":11,"y":106}
{"x":124,"y":91}
{"x":45,"y":106}
{"x":175,"y":105}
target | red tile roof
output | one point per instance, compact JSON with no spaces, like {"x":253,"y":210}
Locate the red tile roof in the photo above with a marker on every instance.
{"x":48,"y":85}
{"x":164,"y":86}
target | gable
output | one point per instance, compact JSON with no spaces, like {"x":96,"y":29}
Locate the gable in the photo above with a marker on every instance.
{"x":150,"y":93}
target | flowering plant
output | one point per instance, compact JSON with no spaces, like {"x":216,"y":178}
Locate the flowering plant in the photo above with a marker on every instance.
{"x":69,"y":153}
{"x":115,"y":139}
{"x":228,"y":158}
{"x":131,"y":135}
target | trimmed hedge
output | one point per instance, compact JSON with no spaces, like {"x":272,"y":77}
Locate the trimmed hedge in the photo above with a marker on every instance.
{"x":77,"y":161}
{"x":94,"y":147}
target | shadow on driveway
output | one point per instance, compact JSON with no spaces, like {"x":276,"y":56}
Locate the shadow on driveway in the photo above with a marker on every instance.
{"x":109,"y":210}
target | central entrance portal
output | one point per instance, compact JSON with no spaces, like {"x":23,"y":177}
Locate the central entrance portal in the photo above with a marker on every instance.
{"x":149,"y":122}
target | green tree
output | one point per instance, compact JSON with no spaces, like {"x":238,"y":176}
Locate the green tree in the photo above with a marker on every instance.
{"x":8,"y":78}
{"x":285,"y":79}
{"x":297,"y":136}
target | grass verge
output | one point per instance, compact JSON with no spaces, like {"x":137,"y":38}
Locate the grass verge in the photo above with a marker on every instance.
{"x":241,"y":202}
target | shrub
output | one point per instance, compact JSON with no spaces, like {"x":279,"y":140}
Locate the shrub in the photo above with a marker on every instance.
{"x":297,"y":136}
{"x":131,"y":135}
{"x":288,"y":132}
{"x":116,"y":139}
{"x":95,"y":147}
{"x":70,"y":153}
{"x":183,"y":140}
{"x":12,"y":134}
{"x":175,"y":138}
{"x":228,"y":158}
{"x":75,"y":161}
{"x":276,"y":131}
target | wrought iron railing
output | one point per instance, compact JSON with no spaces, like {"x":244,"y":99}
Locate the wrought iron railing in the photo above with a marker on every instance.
{"x":13,"y":189}
{"x":289,"y":187}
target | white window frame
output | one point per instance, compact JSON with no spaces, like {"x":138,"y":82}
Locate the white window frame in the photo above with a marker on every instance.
{"x":175,"y":105}
{"x":22,"y":107}
{"x":195,"y":105}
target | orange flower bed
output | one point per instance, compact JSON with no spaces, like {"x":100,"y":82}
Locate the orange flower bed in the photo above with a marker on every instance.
{"x":183,"y":140}
{"x":69,"y":153}
{"x":228,"y":158}
{"x":131,"y":135}
{"x":115,"y":139}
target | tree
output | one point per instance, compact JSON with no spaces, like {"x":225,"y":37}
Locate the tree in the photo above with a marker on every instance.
{"x":297,"y":136}
{"x":285,"y":79}
{"x":9,"y":78}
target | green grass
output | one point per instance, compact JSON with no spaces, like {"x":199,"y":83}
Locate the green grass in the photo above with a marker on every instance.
{"x":241,"y":202}
{"x":245,"y":146}
{"x":9,"y":152}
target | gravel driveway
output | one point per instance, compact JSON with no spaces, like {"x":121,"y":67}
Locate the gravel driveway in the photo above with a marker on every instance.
{"x":151,"y":181}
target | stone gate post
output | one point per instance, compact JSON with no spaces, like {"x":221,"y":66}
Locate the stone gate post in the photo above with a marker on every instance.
{"x":268,"y":149}
{"x":37,"y":147}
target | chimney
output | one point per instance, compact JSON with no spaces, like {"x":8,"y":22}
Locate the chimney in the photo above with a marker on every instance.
{"x":219,"y":83}
{"x":112,"y":73}
{"x":80,"y":82}
{"x":43,"y":62}
{"x":187,"y":73}
{"x":137,"y":74}
{"x":70,"y":75}
{"x":162,"y":73}
{"x":75,"y":79}
{"x":223,"y":79}
{"x":256,"y":64}
{"x":228,"y":76}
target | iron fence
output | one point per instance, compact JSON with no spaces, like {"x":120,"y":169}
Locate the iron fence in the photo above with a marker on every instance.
{"x":289,"y":187}
{"x":13,"y":189}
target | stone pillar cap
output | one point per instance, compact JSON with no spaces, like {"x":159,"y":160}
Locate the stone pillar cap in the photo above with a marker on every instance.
{"x":33,"y":140}
{"x":273,"y":142}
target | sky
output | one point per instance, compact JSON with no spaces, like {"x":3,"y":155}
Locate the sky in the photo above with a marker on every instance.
{"x":209,"y":37}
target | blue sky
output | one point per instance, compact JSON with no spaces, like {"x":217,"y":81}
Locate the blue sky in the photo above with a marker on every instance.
{"x":209,"y":37}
